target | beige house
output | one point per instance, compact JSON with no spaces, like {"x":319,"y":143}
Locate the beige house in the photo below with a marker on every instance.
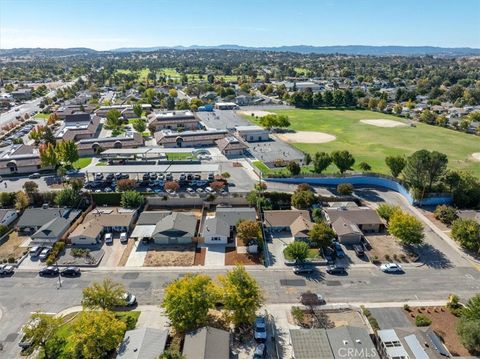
{"x":99,"y":221}
{"x":281,"y":221}
{"x":20,"y":159}
{"x":78,"y":126}
{"x":176,"y":228}
{"x":300,"y":228}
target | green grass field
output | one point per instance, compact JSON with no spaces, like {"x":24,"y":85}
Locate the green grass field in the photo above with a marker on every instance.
{"x":42,"y":115}
{"x":180,"y":156}
{"x":372,"y":144}
{"x":82,"y":162}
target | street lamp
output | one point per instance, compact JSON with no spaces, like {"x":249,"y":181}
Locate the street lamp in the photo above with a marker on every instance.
{"x":59,"y":277}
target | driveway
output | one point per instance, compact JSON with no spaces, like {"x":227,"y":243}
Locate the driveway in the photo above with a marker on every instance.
{"x":276,"y":247}
{"x":215,"y":255}
{"x":388,"y":318}
{"x":137,"y":255}
{"x":113,"y":253}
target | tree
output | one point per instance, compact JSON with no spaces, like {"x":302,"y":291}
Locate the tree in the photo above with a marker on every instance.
{"x":52,"y":118}
{"x":140,"y":125}
{"x":247,"y":230}
{"x":294,"y":168}
{"x":343,"y":160}
{"x":345,"y":189}
{"x":137,"y":110}
{"x":95,"y":333}
{"x":104,"y":295}
{"x":48,"y":156}
{"x":126,"y":185}
{"x":302,"y":199}
{"x":217,"y":185}
{"x":49,"y":137}
{"x":406,"y":228}
{"x":132,"y":199}
{"x":172,"y":354}
{"x":187,"y":301}
{"x":210,"y":78}
{"x":465,"y":188}
{"x":171,"y":185}
{"x":397,"y":109}
{"x":30,"y":188}
{"x":386,"y":211}
{"x":427,"y":116}
{"x":21,"y":201}
{"x":321,"y":161}
{"x":113,"y":120}
{"x":67,"y":152}
{"x":307,"y":159}
{"x":467,"y":233}
{"x":321,"y":234}
{"x":445,"y":214}
{"x":241,"y":295}
{"x":298,"y":251}
{"x":469,"y":325}
{"x":67,"y":197}
{"x":365,"y":167}
{"x":423,"y":168}
{"x":396,"y":164}
{"x":44,"y":331}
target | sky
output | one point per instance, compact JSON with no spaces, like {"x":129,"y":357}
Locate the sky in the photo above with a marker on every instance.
{"x":109,"y":24}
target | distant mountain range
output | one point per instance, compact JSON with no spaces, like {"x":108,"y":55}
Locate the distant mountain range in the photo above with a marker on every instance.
{"x":302,"y":49}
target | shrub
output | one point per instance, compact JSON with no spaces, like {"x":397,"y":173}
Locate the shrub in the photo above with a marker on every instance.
{"x":386,"y":211}
{"x":422,"y":320}
{"x":3,"y":229}
{"x":446,"y":214}
{"x":407,"y":307}
{"x":11,"y":259}
{"x":297,"y":314}
{"x":345,"y":189}
{"x":132,"y":199}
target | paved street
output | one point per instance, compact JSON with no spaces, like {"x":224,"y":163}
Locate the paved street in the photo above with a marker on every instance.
{"x":25,"y":292}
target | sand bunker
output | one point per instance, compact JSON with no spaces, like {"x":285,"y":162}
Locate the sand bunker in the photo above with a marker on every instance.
{"x":384,"y":123}
{"x":255,"y":113}
{"x":306,"y":137}
{"x":476,"y":156}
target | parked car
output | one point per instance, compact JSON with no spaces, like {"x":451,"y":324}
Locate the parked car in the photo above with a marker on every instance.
{"x":211,"y":176}
{"x":49,"y":271}
{"x":339,"y":250}
{"x":335,"y":269}
{"x":197,"y":177}
{"x":260,"y":351}
{"x":35,"y":251}
{"x":200,"y":190}
{"x":260,"y":332}
{"x":190,"y":190}
{"x":71,"y":172}
{"x":391,"y":268}
{"x":6,"y":269}
{"x":123,"y":237}
{"x":130,"y":299}
{"x":108,"y":238}
{"x":34,"y":175}
{"x":70,"y":272}
{"x":359,"y":251}
{"x":153,"y":176}
{"x":309,"y":298}
{"x":303,"y":269}
{"x":168,"y":176}
{"x":44,"y":254}
{"x":209,"y":189}
{"x":98,"y":176}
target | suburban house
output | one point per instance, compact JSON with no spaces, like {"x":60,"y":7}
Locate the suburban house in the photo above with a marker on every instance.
{"x":201,"y":138}
{"x":22,"y":94}
{"x":7,"y":216}
{"x":78,"y":126}
{"x":207,"y":343}
{"x":411,"y":343}
{"x":252,"y":133}
{"x":337,"y":343}
{"x":20,"y":159}
{"x":143,"y":343}
{"x":92,"y":146}
{"x":215,"y":231}
{"x":99,"y":221}
{"x":231,"y":146}
{"x":233,"y":215}
{"x":300,"y":228}
{"x":46,"y":225}
{"x":175,"y":228}
{"x":350,"y":222}
{"x":281,"y":221}
{"x":146,"y":223}
{"x":173,"y":120}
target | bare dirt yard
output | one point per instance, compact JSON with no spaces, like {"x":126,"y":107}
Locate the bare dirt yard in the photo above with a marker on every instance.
{"x":170,"y":255}
{"x":12,"y":246}
{"x":305,"y":137}
{"x":345,"y":317}
{"x":200,"y":257}
{"x":476,"y":156}
{"x":384,"y":123}
{"x":386,"y":249}
{"x":232,"y":257}
{"x":444,"y":323}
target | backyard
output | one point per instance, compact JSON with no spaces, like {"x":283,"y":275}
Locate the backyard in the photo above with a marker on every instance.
{"x":11,"y":246}
{"x":378,"y":136}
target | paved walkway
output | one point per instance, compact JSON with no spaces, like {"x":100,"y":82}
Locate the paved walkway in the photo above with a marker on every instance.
{"x":215,"y":255}
{"x":137,"y":255}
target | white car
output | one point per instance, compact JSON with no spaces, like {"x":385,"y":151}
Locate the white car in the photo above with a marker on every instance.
{"x":44,"y":253}
{"x":391,"y":268}
{"x":6,"y":269}
{"x":123,"y":237}
{"x":108,"y":238}
{"x":190,"y":190}
{"x":209,"y":190}
{"x":200,"y":191}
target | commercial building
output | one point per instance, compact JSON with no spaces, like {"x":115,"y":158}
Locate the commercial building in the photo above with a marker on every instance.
{"x":92,"y":146}
{"x":173,"y":120}
{"x":78,"y":126}
{"x":201,"y":138}
{"x":231,"y":146}
{"x":20,"y":159}
{"x":252,"y":133}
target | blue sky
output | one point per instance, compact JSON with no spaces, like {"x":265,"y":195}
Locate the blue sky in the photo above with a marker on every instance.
{"x":107,"y":24}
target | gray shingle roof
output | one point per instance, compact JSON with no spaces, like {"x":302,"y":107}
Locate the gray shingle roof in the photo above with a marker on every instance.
{"x":351,"y":339}
{"x":232,"y":215}
{"x":177,"y":221}
{"x":207,"y":343}
{"x":151,"y":217}
{"x":359,"y":216}
{"x":215,"y":226}
{"x":143,"y":343}
{"x":310,"y":344}
{"x":37,"y":217}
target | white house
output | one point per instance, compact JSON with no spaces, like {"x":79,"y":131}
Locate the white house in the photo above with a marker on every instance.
{"x":215,"y":231}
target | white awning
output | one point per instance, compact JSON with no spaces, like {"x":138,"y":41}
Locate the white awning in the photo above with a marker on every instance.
{"x":143,"y":231}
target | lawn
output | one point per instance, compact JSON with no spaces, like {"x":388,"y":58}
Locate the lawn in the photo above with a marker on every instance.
{"x":372,"y":144}
{"x":180,"y":156}
{"x":82,"y":162}
{"x":313,"y":253}
{"x":42,"y":115}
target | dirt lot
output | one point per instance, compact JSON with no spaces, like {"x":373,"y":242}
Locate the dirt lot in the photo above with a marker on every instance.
{"x":232,"y":258}
{"x":386,"y":248}
{"x":200,"y":257}
{"x":126,"y":253}
{"x":11,"y":246}
{"x":428,"y":212}
{"x":161,"y":256}
{"x":345,"y":317}
{"x":444,"y":323}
